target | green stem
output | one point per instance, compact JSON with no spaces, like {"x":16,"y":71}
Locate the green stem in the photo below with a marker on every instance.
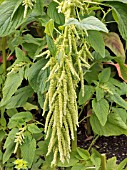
{"x":74,"y":142}
{"x":4,"y":54}
{"x":103,"y":162}
{"x":92,"y":143}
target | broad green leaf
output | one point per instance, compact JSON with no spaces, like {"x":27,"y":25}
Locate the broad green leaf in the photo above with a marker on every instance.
{"x":42,"y":147}
{"x":95,"y":38}
{"x":8,"y":152}
{"x":53,"y":13}
{"x":101,"y":109}
{"x":122,"y":164}
{"x":27,"y":116}
{"x":28,"y":150}
{"x":11,"y":112}
{"x":33,"y":73}
{"x":113,"y":126}
{"x":121,"y":112}
{"x":38,"y":75}
{"x":41,"y":80}
{"x":111,"y":163}
{"x":113,"y":42}
{"x":2,"y":135}
{"x":88,"y":92}
{"x":12,"y":82}
{"x":51,"y":45}
{"x":92,"y":74}
{"x":19,"y":119}
{"x":73,"y":160}
{"x":3,"y":120}
{"x":12,"y":16}
{"x":89,"y":23}
{"x":49,"y":27}
{"x":99,"y":93}
{"x":29,"y":106}
{"x":84,"y":154}
{"x":10,"y":138}
{"x":28,"y":38}
{"x":20,"y":97}
{"x":20,"y":55}
{"x":96,"y":158}
{"x":104,"y":75}
{"x":80,"y":166}
{"x":120,"y":10}
{"x":38,"y":8}
{"x":119,"y":100}
{"x":33,"y":128}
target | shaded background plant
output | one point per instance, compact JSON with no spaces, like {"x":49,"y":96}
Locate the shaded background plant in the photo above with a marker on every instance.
{"x":63,"y":59}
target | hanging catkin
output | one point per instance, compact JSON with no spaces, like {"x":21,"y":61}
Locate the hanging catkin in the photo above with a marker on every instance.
{"x":65,"y":74}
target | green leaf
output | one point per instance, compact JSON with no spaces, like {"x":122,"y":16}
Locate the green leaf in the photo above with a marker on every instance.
{"x":41,"y":80}
{"x":122,"y":164}
{"x":8,"y":152}
{"x":20,"y":97}
{"x":104,"y":75}
{"x":79,"y":166}
{"x":84,"y":154}
{"x":88,"y":92}
{"x":19,"y":119}
{"x":89,"y":23}
{"x":12,"y":82}
{"x":113,"y":126}
{"x":92,"y":74}
{"x":33,"y":128}
{"x":33,"y":73}
{"x":53,"y":13}
{"x":28,"y":38}
{"x":21,"y":57}
{"x":27,"y":116}
{"x":99,"y":93}
{"x":111,"y":163}
{"x":28,"y":106}
{"x":12,"y":16}
{"x":120,"y":11}
{"x":28,"y":150}
{"x":49,"y":28}
{"x":2,"y":135}
{"x":73,"y":160}
{"x":10,"y":138}
{"x":119,"y":100}
{"x":42,"y":147}
{"x":95,"y":38}
{"x":101,"y":109}
{"x":113,"y":42}
{"x":51,"y":45}
{"x":121,"y":112}
{"x":96,"y":158}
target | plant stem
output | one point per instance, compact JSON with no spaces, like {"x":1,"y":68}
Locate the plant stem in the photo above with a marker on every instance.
{"x":93,"y":141}
{"x":74,"y":142}
{"x":103,"y":162}
{"x":4,"y":54}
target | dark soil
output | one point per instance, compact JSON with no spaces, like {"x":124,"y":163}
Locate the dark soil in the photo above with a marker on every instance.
{"x":111,"y":146}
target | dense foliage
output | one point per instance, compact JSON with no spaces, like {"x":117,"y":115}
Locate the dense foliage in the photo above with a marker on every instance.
{"x":62,"y":62}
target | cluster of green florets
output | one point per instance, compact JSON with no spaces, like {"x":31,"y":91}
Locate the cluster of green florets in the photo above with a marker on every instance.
{"x":66,"y":71}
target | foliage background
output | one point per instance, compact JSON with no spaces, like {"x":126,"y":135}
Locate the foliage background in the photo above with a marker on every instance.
{"x":29,"y":32}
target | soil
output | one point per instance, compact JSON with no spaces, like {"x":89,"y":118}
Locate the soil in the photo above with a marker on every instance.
{"x":111,"y":146}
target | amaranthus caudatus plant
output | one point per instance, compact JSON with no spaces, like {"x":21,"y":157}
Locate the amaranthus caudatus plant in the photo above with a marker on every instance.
{"x":67,"y":68}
